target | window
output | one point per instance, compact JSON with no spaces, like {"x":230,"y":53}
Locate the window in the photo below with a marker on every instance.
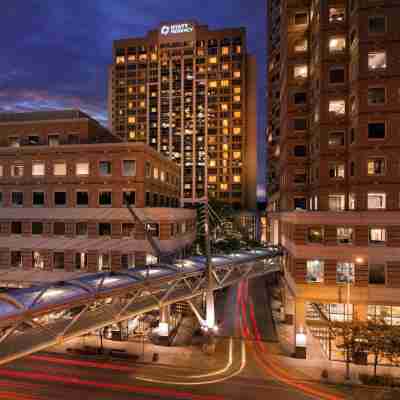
{"x":73,"y":138}
{"x":1,"y":171}
{"x":128,"y":167}
{"x":81,"y":260}
{"x":59,"y":228}
{"x":82,"y":168}
{"x":16,"y":227}
{"x":129,"y":197}
{"x":155,"y":173}
{"x":376,"y":95}
{"x":82,"y":198}
{"x":376,"y":60}
{"x":37,"y":260}
{"x":17,"y":198}
{"x":104,"y":261}
{"x":105,"y":168}
{"x":336,"y":139}
{"x":352,"y":201}
{"x":81,"y":229}
{"x":377,"y":274}
{"x":33,"y":140}
{"x":316,"y":235}
{"x":105,"y":198}
{"x":352,"y":168}
{"x":300,"y":98}
{"x":300,"y":151}
{"x":336,"y":170}
{"x":38,"y":199}
{"x":377,"y":235}
{"x":301,"y":18}
{"x":60,"y":199}
{"x":14,"y":141}
{"x":37,"y":228}
{"x":300,"y":203}
{"x":16,"y":259}
{"x":1,"y":199}
{"x":148,"y":199}
{"x":336,"y":14}
{"x":344,"y":272}
{"x":336,"y":202}
{"x":377,"y":24}
{"x":376,"y":201}
{"x":301,"y":71}
{"x":301,"y":46}
{"x":315,"y":271}
{"x":60,"y":169}
{"x":344,"y":235}
{"x":376,"y":166}
{"x":337,"y":107}
{"x":337,"y":44}
{"x":336,"y":75}
{"x":58,"y":260}
{"x":128,"y":230}
{"x":153,"y":229}
{"x":376,"y":130}
{"x":38,"y":168}
{"x":17,"y":170}
{"x":53,"y":140}
{"x":148,"y":169}
{"x":104,"y":229}
{"x":300,"y":124}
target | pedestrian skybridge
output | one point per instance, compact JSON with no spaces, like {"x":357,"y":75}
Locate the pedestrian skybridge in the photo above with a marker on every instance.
{"x":35,"y":318}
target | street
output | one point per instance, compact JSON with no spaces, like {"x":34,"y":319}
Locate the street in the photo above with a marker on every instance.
{"x":242,"y":313}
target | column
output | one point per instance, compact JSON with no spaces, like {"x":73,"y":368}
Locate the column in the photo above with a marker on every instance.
{"x":163,"y":327}
{"x":300,"y":333}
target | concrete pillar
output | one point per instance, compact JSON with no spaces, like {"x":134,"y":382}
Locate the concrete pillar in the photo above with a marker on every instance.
{"x":163,"y":327}
{"x":210,"y":309}
{"x":300,"y":333}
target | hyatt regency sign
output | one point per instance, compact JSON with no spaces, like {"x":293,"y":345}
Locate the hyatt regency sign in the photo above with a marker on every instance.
{"x":175,"y":29}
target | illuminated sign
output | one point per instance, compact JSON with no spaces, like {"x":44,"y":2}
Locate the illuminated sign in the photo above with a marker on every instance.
{"x":175,"y":29}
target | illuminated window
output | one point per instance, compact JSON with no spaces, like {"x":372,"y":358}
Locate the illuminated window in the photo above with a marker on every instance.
{"x":130,"y":105}
{"x":315,"y":271}
{"x":225,"y":131}
{"x":131,"y":57}
{"x":301,"y":71}
{"x":336,"y":170}
{"x":225,"y":155}
{"x":344,"y":235}
{"x":337,"y":44}
{"x":17,"y":170}
{"x":237,"y":155}
{"x":236,"y":74}
{"x":336,"y":14}
{"x":153,"y":57}
{"x":224,"y":83}
{"x":301,"y":45}
{"x":336,"y":202}
{"x":315,"y":235}
{"x":352,"y":201}
{"x":237,"y":114}
{"x":130,"y":89}
{"x":236,"y":178}
{"x":128,"y":168}
{"x":237,"y":90}
{"x":225,"y":67}
{"x":337,"y":107}
{"x":60,"y":169}
{"x":162,"y":176}
{"x":143,"y":57}
{"x":236,"y":99}
{"x":377,"y":235}
{"x":212,"y":179}
{"x":376,"y":166}
{"x":212,"y":60}
{"x":38,"y":169}
{"x":212,"y":163}
{"x":224,"y":107}
{"x":82,"y":168}
{"x":225,"y":51}
{"x":376,"y":201}
{"x":212,"y":84}
{"x":344,"y":272}
{"x":142,"y":104}
{"x":237,"y":130}
{"x":155,"y":173}
{"x":225,"y":147}
{"x":200,"y":52}
{"x":238,"y":49}
{"x":142,"y":89}
{"x":132,"y":134}
{"x":131,"y":120}
{"x":225,"y":122}
{"x":377,"y":60}
{"x":120,"y":60}
{"x":223,"y":186}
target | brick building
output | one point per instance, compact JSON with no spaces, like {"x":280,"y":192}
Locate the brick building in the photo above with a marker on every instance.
{"x":334,"y":172}
{"x":73,"y":197}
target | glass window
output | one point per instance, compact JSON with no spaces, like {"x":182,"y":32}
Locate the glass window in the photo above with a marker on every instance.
{"x":53,"y":140}
{"x":82,"y":168}
{"x":301,"y":46}
{"x":301,"y":18}
{"x":1,"y":199}
{"x":336,"y":170}
{"x":336,"y":14}
{"x":38,"y":168}
{"x":336,"y":139}
{"x":60,"y":198}
{"x":17,"y":170}
{"x":1,"y":171}
{"x":129,"y":197}
{"x":377,"y":275}
{"x":17,"y":198}
{"x":37,"y":228}
{"x":16,"y":227}
{"x":33,"y":140}
{"x":376,"y":201}
{"x":352,"y":201}
{"x":315,"y":271}
{"x":81,"y":228}
{"x":345,"y":272}
{"x":37,"y":260}
{"x":148,"y":169}
{"x":300,"y":124}
{"x":336,"y":202}
{"x":104,"y":229}
{"x":14,"y":141}
{"x":38,"y":199}
{"x":60,"y":169}
{"x":376,"y":95}
{"x":73,"y":138}
{"x":336,"y":75}
{"x":105,"y":168}
{"x":105,"y":198}
{"x":377,"y":24}
{"x":300,"y":203}
{"x":344,"y":235}
{"x":128,"y":230}
{"x":300,"y":98}
{"x":153,"y":229}
{"x":376,"y":130}
{"x":376,"y":166}
{"x":81,"y":261}
{"x":301,"y":71}
{"x":129,"y":167}
{"x":16,"y":259}
{"x":59,"y":260}
{"x":82,"y":198}
{"x":104,"y":261}
{"x":337,"y":107}
{"x":59,"y":228}
{"x":155,"y":173}
{"x":316,"y":235}
{"x":377,"y":235}
{"x":300,"y":151}
{"x":377,"y":60}
{"x":337,"y":44}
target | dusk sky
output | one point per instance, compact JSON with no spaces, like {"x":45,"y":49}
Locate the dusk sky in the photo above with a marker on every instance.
{"x":54,"y":53}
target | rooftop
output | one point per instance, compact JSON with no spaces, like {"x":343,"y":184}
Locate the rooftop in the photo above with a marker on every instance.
{"x":43,"y":116}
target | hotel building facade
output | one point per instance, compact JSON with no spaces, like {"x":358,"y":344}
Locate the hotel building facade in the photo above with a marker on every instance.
{"x":190,"y":93}
{"x":334,"y":171}
{"x":74,"y":198}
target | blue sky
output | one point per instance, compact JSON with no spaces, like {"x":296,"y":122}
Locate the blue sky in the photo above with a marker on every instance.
{"x":54,"y":53}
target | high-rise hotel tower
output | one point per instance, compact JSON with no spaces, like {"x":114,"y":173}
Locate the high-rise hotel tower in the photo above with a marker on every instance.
{"x":190,"y":93}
